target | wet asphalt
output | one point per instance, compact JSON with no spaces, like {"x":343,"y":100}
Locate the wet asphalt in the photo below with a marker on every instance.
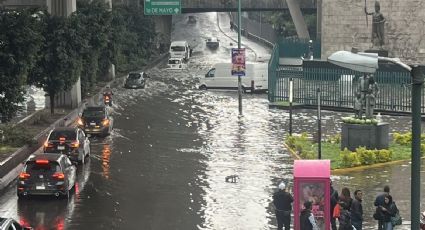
{"x":165,"y":164}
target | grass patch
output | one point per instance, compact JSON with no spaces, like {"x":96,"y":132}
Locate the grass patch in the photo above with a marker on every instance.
{"x":306,"y":149}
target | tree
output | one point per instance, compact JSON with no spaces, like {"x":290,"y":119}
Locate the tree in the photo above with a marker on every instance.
{"x":20,"y":40}
{"x":59,"y":64}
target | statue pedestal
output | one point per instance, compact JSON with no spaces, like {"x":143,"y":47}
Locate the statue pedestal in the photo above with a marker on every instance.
{"x":369,"y":136}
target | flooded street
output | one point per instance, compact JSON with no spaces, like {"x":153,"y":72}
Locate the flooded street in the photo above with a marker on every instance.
{"x":165,"y":164}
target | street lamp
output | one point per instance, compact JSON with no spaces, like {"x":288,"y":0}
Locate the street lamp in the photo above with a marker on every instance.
{"x":239,"y":47}
{"x":291,"y":89}
{"x":368,"y":63}
{"x":319,"y":124}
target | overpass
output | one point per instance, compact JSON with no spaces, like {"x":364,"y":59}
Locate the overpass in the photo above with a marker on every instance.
{"x":198,"y":6}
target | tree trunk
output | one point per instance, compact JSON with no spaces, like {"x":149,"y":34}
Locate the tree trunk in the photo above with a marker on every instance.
{"x":52,"y":103}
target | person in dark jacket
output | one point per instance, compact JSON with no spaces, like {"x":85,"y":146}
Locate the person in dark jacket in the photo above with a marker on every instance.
{"x":379,"y":201}
{"x":388,"y":209}
{"x":357,"y":210}
{"x":307,"y":221}
{"x":282,"y":201}
{"x":334,"y":201}
{"x":345,"y":202}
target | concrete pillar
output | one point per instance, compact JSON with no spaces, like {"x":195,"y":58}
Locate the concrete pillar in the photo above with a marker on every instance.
{"x":319,"y":19}
{"x":109,"y":2}
{"x":61,"y":7}
{"x":163,"y":26}
{"x":298,"y":19}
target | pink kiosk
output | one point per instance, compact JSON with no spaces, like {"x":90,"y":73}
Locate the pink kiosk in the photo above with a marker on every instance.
{"x":312,"y":182}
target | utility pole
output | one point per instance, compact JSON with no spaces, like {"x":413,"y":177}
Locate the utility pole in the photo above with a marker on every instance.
{"x":319,"y":125}
{"x":415,"y":205}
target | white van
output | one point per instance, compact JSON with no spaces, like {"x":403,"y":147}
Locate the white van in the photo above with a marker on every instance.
{"x":220,"y":77}
{"x":180,"y":49}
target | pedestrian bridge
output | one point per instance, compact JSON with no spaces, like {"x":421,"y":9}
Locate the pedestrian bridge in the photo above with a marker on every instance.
{"x":196,"y":6}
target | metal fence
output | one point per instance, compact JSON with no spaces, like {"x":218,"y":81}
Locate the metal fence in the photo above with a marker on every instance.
{"x":338,"y":85}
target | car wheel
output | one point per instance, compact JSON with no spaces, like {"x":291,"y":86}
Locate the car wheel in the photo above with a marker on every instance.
{"x":203,"y":87}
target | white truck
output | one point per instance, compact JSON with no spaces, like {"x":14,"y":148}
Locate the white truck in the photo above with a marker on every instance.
{"x":180,"y":49}
{"x":220,"y":77}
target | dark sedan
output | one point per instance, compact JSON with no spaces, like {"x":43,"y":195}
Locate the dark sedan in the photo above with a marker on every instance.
{"x":96,"y":120}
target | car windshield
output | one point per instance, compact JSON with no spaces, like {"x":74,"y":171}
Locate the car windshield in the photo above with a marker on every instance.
{"x":177,"y":48}
{"x":175,"y":61}
{"x":93,"y":113}
{"x":134,"y":76}
{"x":49,"y":168}
{"x":67,"y":134}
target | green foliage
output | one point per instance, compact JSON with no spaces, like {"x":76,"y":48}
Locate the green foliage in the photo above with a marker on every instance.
{"x":302,"y":145}
{"x":349,"y":159}
{"x":383,"y":155}
{"x":366,"y":157}
{"x":15,"y":136}
{"x":335,"y":139}
{"x":59,"y":64}
{"x":20,"y":40}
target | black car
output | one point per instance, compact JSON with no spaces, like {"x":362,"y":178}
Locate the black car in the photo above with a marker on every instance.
{"x":212,"y":43}
{"x":9,"y":223}
{"x":47,"y":174}
{"x":69,"y":141}
{"x":136,"y":80}
{"x":96,"y":120}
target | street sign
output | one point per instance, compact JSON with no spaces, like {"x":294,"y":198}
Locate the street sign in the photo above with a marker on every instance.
{"x":238,"y":62}
{"x":162,"y":7}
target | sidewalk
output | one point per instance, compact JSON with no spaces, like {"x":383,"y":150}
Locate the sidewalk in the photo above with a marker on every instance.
{"x":12,"y":166}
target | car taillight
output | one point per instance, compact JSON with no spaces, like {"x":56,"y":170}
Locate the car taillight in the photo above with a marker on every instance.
{"x":58,"y":176}
{"x":75,"y":144}
{"x":105,"y":122}
{"x":48,"y":144}
{"x":42,"y":162}
{"x":80,"y":121}
{"x":24,"y":175}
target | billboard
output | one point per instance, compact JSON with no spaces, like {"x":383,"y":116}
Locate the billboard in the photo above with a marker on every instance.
{"x":238,"y":62}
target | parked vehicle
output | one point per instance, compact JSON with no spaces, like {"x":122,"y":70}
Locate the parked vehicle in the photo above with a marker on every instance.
{"x":180,"y":49}
{"x":136,"y":80}
{"x":96,"y":120}
{"x":176,"y":63}
{"x":212,"y":43}
{"x":47,"y":174}
{"x":11,"y":224}
{"x":220,"y":77}
{"x":69,"y":141}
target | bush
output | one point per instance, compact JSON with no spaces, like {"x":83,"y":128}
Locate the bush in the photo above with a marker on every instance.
{"x":353,"y":120}
{"x":308,"y":154}
{"x":290,"y":141}
{"x":349,"y":159}
{"x":383,"y":155}
{"x":335,"y":139}
{"x":366,"y":157}
{"x":422,"y":149}
{"x":15,"y":136}
{"x":403,"y":139}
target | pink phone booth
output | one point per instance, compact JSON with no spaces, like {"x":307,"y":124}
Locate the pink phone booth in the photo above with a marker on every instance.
{"x":312,"y":183}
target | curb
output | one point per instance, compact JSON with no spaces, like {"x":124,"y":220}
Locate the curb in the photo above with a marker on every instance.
{"x":12,"y":166}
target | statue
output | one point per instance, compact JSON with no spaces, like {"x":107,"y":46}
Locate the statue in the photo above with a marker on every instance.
{"x":378,"y":22}
{"x":367,"y":91}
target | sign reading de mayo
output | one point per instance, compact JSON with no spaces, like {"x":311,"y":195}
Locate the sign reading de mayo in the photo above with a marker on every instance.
{"x":162,"y":7}
{"x":238,"y":62}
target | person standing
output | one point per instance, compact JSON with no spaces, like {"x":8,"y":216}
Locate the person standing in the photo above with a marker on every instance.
{"x":379,"y":201}
{"x":282,"y":201}
{"x":345,"y":202}
{"x":334,"y":201}
{"x":357,"y":210}
{"x":307,"y":220}
{"x":388,"y":210}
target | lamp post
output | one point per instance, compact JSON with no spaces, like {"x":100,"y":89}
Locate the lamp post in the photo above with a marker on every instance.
{"x":319,"y":124}
{"x":239,"y":46}
{"x":366,"y":62}
{"x":291,"y":88}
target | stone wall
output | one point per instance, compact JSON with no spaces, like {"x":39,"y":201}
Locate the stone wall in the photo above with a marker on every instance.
{"x":344,"y":26}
